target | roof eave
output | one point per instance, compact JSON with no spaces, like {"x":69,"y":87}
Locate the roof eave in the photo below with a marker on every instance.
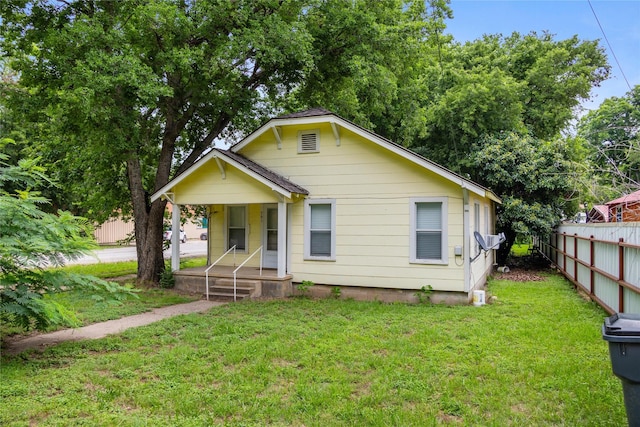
{"x":219,"y":154}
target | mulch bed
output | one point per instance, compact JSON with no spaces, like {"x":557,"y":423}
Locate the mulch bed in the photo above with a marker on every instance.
{"x":520,"y":275}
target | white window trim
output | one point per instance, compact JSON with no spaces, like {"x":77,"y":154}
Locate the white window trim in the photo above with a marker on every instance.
{"x":246,"y":228}
{"x":307,"y":229}
{"x":445,"y":230}
{"x":317,"y":134}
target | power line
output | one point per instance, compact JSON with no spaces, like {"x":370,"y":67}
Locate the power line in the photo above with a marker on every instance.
{"x":609,"y":44}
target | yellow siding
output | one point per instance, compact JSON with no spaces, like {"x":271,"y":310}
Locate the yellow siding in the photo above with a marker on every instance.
{"x":372,"y":187}
{"x":206,"y":186}
{"x":483,"y":265}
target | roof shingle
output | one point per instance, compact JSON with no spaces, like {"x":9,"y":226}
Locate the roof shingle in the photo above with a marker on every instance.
{"x":313,"y":112}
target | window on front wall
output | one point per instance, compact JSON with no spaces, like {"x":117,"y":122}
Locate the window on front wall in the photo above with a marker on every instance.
{"x":320,"y":230}
{"x":237,"y":227}
{"x":428,"y":240}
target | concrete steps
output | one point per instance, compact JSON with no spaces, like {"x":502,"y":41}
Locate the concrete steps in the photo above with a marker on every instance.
{"x":222,"y":289}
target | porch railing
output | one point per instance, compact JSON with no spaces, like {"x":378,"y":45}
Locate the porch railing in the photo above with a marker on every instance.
{"x":206,"y":272}
{"x":240,"y":266}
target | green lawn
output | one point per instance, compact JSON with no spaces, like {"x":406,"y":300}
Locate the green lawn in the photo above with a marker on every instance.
{"x":110,"y":270}
{"x":520,"y":250}
{"x":536,"y":357}
{"x":89,"y":310}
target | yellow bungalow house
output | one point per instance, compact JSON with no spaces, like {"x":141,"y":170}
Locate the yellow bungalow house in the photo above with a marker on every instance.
{"x":313,"y":197}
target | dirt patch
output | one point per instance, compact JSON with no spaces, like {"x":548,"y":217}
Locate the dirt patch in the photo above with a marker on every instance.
{"x":520,"y":275}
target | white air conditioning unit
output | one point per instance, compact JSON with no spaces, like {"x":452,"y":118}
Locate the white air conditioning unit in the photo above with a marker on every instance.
{"x":493,"y":240}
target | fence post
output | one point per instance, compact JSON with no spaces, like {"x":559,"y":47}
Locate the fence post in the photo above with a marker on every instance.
{"x":575,"y":257}
{"x":620,"y":275}
{"x":564,"y":252}
{"x":592,"y":264}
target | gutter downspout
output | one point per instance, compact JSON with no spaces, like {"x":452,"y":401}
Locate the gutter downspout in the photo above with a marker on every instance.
{"x":466,"y":250}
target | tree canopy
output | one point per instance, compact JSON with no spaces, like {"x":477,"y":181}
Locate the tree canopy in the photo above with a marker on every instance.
{"x":525,"y":83}
{"x":125,"y":95}
{"x":613,"y":134}
{"x":539,"y":181}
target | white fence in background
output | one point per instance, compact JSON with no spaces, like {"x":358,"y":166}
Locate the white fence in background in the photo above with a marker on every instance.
{"x":603,"y":259}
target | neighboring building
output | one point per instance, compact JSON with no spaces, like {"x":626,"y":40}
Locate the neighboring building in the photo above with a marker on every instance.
{"x":116,"y":230}
{"x":625,"y":208}
{"x":113,"y":231}
{"x":333,"y":203}
{"x":598,"y":213}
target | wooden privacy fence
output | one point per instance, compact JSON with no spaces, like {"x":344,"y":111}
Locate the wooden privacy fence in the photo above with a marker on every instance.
{"x":602,"y":261}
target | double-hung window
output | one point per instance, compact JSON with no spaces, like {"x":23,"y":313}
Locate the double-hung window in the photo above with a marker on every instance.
{"x":320,"y":229}
{"x":428,"y":240}
{"x":237,"y":227}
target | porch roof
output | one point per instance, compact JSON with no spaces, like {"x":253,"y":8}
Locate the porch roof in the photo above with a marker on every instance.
{"x":264,"y":172}
{"x":276,"y":182}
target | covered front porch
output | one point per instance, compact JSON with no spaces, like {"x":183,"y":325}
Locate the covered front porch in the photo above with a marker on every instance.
{"x":248,"y":211}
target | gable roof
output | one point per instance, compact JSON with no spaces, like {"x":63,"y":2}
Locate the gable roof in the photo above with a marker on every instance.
{"x":599,"y":211}
{"x":268,"y":174}
{"x":629,"y":198}
{"x":277,"y":182}
{"x":321,"y":115}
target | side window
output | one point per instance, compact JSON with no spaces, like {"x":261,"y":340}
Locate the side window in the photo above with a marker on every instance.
{"x":237,"y":227}
{"x":428,"y":240}
{"x":476,"y":223}
{"x":320,"y":230}
{"x":487,"y":229}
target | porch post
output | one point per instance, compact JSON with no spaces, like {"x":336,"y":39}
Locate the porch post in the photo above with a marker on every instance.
{"x":282,"y":238}
{"x":175,"y":237}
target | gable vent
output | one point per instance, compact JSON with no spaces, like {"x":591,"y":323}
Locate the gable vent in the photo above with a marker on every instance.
{"x":309,"y":141}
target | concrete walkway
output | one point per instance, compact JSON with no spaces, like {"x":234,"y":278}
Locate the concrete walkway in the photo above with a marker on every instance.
{"x":100,"y":330}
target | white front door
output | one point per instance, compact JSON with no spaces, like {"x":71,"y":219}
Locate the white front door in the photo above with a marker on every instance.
{"x":270,"y":236}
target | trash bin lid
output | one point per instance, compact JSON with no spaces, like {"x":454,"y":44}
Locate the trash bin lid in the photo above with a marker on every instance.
{"x":622,"y":324}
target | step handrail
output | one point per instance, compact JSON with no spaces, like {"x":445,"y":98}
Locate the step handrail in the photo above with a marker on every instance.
{"x":240,"y":266}
{"x":206,"y":272}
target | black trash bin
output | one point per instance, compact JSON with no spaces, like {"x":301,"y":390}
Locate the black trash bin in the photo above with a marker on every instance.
{"x":622,"y":331}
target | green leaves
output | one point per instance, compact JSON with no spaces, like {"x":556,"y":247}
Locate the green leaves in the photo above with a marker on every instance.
{"x":522,"y":83}
{"x":612,"y":134}
{"x":32,"y":240}
{"x":540,"y":182}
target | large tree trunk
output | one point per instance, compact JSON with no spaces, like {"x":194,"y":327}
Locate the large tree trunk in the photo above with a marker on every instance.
{"x":502,"y":254}
{"x":148,"y":219}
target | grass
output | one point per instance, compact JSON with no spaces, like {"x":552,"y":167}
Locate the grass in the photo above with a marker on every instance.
{"x":535,"y":357}
{"x":520,"y":250}
{"x":110,"y":270}
{"x":88,"y":310}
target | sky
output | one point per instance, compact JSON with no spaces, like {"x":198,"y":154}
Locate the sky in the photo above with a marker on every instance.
{"x":620,"y":20}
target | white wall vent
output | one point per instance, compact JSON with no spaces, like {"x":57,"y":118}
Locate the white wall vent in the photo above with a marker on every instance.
{"x":308,"y":141}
